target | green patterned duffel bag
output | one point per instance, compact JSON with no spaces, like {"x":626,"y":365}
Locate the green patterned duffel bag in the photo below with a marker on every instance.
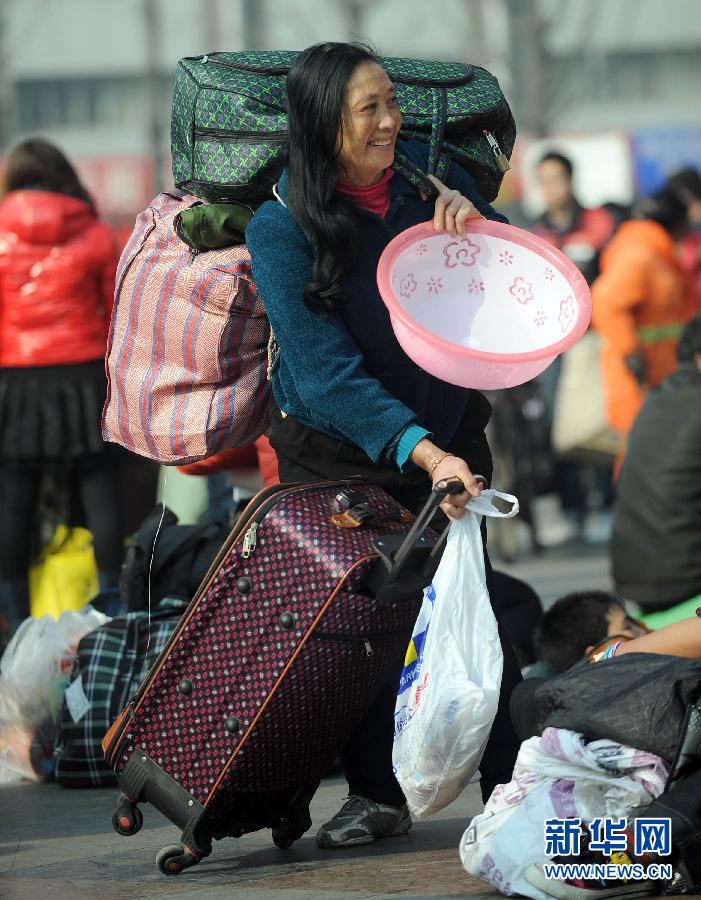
{"x":229,"y":121}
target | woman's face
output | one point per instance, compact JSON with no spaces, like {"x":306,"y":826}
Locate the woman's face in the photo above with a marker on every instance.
{"x":369,"y":126}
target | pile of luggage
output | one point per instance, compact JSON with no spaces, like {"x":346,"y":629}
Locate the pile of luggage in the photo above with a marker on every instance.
{"x":247,"y":654}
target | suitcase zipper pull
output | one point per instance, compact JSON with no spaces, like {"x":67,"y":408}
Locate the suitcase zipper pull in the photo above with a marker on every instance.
{"x":501,"y":160}
{"x":249,"y":540}
{"x":368,"y":648}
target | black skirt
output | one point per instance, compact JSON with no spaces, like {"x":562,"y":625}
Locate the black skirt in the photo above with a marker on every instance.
{"x":51,"y":415}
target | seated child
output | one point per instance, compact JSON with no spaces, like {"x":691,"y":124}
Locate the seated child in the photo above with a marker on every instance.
{"x":678,"y":639}
{"x":574,"y":626}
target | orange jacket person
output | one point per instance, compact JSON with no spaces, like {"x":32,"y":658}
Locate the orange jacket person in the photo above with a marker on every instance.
{"x":642,"y":300}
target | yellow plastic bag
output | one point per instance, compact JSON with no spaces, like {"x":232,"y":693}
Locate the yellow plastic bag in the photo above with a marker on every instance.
{"x":65,"y":576}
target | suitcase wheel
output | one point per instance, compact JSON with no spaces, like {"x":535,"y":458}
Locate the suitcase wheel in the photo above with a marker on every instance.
{"x":173,"y":859}
{"x":292,"y":827}
{"x":283,"y":839}
{"x":127,"y":818}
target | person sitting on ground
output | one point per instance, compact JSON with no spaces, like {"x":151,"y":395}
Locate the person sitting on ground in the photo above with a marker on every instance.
{"x":596,"y":626}
{"x":597,"y":612}
{"x":576,"y":624}
{"x":591,"y":626}
{"x":656,"y":542}
{"x":681,"y":800}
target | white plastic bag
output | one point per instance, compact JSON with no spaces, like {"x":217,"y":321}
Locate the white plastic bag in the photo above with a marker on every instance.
{"x":556,"y":776}
{"x":34,"y":673}
{"x":449,"y":688}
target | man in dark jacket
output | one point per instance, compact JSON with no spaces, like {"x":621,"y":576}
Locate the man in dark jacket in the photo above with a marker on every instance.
{"x":656,"y":543}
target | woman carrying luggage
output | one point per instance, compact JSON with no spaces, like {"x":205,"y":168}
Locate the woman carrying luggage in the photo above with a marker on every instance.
{"x":57,"y":265}
{"x":348,"y":401}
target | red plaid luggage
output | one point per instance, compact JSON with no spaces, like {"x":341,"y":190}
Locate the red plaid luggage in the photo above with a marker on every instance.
{"x":300,"y":621}
{"x":187,"y":350}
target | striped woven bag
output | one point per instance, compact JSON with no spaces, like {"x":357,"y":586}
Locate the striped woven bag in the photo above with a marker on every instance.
{"x":188,"y":344}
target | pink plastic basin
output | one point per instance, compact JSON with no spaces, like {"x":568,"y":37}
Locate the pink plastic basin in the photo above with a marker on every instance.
{"x":490,"y":310}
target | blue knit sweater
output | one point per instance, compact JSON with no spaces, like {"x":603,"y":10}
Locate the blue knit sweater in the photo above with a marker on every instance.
{"x":346,"y":375}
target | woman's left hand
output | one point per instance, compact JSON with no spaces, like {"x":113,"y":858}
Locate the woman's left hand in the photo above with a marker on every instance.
{"x":452,"y":210}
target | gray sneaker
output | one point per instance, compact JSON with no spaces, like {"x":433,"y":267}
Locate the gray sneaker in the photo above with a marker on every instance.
{"x":362,"y":821}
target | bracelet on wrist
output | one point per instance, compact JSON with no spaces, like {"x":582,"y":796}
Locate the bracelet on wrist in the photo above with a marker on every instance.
{"x":436,"y":462}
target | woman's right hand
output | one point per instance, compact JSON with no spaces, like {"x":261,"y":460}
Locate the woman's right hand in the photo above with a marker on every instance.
{"x":442,"y":466}
{"x":454,"y":505}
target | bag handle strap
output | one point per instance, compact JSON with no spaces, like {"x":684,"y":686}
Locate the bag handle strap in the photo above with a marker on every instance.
{"x":484,"y":505}
{"x":438,"y":162}
{"x":438,"y":122}
{"x":413,"y":174}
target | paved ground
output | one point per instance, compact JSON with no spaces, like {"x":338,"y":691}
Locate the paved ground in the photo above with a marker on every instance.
{"x":560,"y":570}
{"x":59,"y":845}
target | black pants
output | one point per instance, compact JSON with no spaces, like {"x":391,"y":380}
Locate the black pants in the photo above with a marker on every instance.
{"x":521,"y":612}
{"x":98,"y":491}
{"x":307,"y":455}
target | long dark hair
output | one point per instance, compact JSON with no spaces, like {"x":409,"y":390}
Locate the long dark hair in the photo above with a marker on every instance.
{"x":36,"y":164}
{"x":315,"y":89}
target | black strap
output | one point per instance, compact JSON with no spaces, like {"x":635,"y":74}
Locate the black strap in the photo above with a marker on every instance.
{"x":442,"y":169}
{"x":414,"y":175}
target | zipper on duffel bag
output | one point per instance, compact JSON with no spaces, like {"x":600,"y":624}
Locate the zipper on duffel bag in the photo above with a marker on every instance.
{"x":395,"y":76}
{"x":253,"y":137}
{"x":243,"y":67}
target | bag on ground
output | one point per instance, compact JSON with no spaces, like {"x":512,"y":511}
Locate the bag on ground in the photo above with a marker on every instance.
{"x":449,"y":688}
{"x":639,"y":699}
{"x":187,"y":352}
{"x":171,"y":558}
{"x":34,"y":672}
{"x":556,"y":776}
{"x":111,"y":663}
{"x":64,"y":577}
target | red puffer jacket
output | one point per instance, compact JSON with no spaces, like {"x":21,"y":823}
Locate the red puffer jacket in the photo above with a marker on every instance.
{"x":57,"y":266}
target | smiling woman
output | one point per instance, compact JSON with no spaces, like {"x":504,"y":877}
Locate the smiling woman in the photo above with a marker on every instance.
{"x":370,"y":124}
{"x":348,"y":401}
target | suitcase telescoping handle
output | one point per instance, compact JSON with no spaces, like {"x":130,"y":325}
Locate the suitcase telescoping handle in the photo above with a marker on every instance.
{"x":407,"y":564}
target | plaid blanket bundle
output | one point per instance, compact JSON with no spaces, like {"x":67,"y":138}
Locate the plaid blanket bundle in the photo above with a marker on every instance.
{"x":112,"y":662}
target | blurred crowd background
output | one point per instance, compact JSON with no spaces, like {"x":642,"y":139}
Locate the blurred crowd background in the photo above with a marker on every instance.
{"x":612,"y":87}
{"x":603,"y":449}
